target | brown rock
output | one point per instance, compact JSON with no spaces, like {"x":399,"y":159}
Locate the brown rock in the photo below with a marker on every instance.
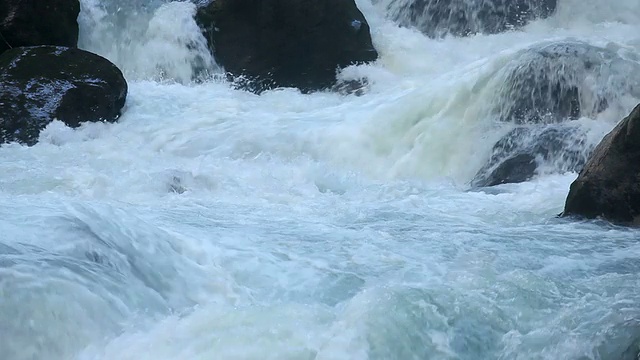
{"x":609,"y":185}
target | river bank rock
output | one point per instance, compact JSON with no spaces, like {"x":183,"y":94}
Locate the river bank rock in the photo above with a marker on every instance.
{"x":524,"y":151}
{"x":38,"y":22}
{"x":285,"y":43}
{"x":44,"y":83}
{"x":609,"y":186}
{"x":438,"y":18}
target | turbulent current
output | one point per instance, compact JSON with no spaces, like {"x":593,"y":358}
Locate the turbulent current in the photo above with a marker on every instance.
{"x":213,"y":223}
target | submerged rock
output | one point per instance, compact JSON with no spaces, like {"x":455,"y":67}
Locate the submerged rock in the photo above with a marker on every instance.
{"x":436,"y":18}
{"x":43,"y":83}
{"x":541,"y":90}
{"x":632,"y":352}
{"x":176,"y":185}
{"x":356,"y":87}
{"x":554,"y":82}
{"x":38,"y":22}
{"x":608,"y":186}
{"x":524,"y":151}
{"x":286,"y":43}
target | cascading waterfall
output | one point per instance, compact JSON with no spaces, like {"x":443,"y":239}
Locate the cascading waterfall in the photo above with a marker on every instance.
{"x":155,"y":40}
{"x":213,"y":223}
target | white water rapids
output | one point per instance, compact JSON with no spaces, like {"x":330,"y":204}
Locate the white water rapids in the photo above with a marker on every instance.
{"x":212,"y":223}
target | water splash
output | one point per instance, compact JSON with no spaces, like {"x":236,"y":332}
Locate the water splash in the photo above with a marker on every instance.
{"x":148,"y":40}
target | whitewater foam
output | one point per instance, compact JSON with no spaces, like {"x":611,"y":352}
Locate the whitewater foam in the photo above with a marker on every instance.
{"x":215,"y":223}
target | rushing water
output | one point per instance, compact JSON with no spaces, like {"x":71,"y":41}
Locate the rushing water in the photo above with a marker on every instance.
{"x":212,"y":223}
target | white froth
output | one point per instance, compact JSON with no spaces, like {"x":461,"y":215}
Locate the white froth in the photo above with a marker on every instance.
{"x":212,"y":223}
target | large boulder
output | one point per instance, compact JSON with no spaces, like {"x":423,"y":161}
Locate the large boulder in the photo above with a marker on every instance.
{"x":38,"y":22}
{"x":43,"y":83}
{"x":559,"y":81}
{"x":286,"y":43}
{"x":543,"y":88}
{"x":527,"y":151}
{"x":436,"y":18}
{"x":609,"y":185}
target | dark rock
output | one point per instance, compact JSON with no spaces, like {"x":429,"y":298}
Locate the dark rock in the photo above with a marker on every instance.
{"x":175,"y":185}
{"x":43,"y":83}
{"x":560,"y":81}
{"x":540,"y":89}
{"x":286,"y":43}
{"x":520,"y":154}
{"x":609,"y":185}
{"x":618,"y":340}
{"x":38,"y":22}
{"x":515,"y":169}
{"x":632,"y":352}
{"x":437,"y":18}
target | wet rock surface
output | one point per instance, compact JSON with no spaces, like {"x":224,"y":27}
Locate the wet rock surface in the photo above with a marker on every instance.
{"x":566,"y":80}
{"x":437,"y":18}
{"x":38,"y":22}
{"x":608,"y":187}
{"x":526,"y":151}
{"x":44,"y":83}
{"x":286,"y":43}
